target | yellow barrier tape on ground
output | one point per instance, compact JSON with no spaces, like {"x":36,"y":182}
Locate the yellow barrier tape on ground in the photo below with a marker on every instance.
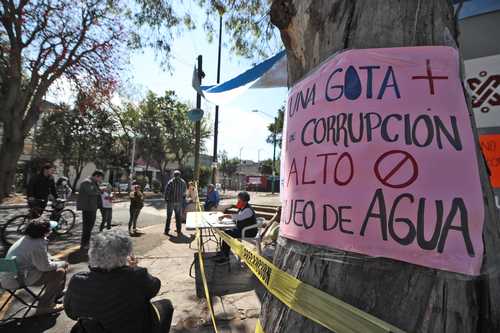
{"x":308,"y":301}
{"x":258,"y":328}
{"x":202,"y":267}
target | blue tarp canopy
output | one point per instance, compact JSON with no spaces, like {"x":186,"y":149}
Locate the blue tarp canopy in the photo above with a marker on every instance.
{"x":270,"y":73}
{"x":273,"y":71}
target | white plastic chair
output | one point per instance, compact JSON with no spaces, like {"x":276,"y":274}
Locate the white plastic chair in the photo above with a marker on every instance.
{"x":260,"y":221}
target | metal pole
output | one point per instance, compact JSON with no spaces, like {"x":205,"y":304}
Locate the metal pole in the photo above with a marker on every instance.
{"x":198,"y":126}
{"x":132,"y":161}
{"x":239,"y":178}
{"x":216,"y":125}
{"x":274,"y":156}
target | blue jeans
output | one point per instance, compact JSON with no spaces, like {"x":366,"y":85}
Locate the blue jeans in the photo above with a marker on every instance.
{"x":175,"y":207}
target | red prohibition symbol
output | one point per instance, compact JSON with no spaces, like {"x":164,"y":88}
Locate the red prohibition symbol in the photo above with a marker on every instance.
{"x":405,"y":159}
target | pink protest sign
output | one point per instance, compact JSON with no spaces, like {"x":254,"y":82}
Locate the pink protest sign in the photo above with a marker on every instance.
{"x":379,"y":158}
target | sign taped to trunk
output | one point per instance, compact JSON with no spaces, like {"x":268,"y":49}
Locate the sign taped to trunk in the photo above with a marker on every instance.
{"x":379,"y":158}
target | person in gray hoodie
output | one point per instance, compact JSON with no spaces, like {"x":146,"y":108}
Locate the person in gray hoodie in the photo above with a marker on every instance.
{"x":89,"y":201}
{"x":36,"y":268}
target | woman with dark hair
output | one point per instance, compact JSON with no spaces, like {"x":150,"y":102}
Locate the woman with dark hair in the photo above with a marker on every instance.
{"x":114,"y":296}
{"x":136,"y":204}
{"x":63,"y":189}
{"x":36,"y":268}
{"x":245,"y":218}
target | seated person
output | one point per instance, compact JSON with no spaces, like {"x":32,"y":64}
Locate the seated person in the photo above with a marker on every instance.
{"x":245,"y":218}
{"x":213,"y":198}
{"x":36,"y":268}
{"x":114,"y":296}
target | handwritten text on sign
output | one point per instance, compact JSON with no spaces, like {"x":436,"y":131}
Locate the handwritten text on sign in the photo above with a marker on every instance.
{"x":379,"y":158}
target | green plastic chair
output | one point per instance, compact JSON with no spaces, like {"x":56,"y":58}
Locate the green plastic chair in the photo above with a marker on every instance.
{"x":10,"y":266}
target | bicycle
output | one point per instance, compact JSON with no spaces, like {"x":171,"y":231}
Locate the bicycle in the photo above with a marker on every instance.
{"x":14,"y":228}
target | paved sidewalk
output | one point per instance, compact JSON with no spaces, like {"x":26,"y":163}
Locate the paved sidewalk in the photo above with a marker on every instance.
{"x":170,"y":261}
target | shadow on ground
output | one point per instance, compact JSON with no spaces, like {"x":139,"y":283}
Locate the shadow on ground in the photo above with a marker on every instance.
{"x":158,"y":204}
{"x":223,"y":279}
{"x":30,"y":325}
{"x":78,"y":256}
{"x":181,"y":239}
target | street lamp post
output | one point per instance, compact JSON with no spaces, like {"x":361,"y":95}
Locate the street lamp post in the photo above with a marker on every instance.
{"x":275,"y":119}
{"x":216,"y":125}
{"x":132,"y":160}
{"x":274,"y":156}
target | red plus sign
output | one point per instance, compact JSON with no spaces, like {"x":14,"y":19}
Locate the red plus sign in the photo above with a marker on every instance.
{"x":430,"y":77}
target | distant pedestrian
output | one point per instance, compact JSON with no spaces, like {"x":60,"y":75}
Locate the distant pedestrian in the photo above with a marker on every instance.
{"x":213,"y":198}
{"x":89,"y":200}
{"x":40,"y":188}
{"x":63,"y":189}
{"x":175,"y":194}
{"x":136,"y":204}
{"x":107,"y":207}
{"x":192,"y":198}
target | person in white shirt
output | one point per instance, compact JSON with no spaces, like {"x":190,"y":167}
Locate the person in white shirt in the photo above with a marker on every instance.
{"x":36,"y":268}
{"x":107,"y":207}
{"x":244,"y":218}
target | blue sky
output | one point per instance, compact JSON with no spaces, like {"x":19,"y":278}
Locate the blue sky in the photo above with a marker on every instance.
{"x":238,"y":126}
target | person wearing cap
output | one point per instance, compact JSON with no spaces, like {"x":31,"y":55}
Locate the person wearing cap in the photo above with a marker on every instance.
{"x":36,"y":268}
{"x":244,"y":218}
{"x":175,"y":194}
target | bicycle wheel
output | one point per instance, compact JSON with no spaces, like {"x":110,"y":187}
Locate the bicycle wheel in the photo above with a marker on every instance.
{"x":66,"y":221}
{"x":14,"y":228}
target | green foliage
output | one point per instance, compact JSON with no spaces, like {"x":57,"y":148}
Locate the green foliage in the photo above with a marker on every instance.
{"x":276,"y":127}
{"x":228,"y":166}
{"x":77,"y":138}
{"x":162,"y":128}
{"x":247,"y":23}
{"x":141,"y":180}
{"x":205,"y":176}
{"x":266,"y":167}
{"x":156,"y":186}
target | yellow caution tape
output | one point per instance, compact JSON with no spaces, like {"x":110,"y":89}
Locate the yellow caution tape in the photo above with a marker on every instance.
{"x":258,"y":328}
{"x":204,"y":278}
{"x":202,"y":267}
{"x":308,"y":301}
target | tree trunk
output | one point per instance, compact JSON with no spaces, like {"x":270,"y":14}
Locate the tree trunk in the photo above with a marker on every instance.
{"x":10,"y":151}
{"x":414,"y":298}
{"x":78,"y":174}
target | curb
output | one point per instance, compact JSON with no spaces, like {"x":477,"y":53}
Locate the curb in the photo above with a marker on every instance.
{"x":73,"y":203}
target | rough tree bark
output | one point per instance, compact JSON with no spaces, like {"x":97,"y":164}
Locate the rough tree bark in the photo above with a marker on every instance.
{"x":10,"y":150}
{"x":414,"y":298}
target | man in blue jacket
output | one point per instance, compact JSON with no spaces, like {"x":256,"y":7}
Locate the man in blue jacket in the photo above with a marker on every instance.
{"x":213,"y":198}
